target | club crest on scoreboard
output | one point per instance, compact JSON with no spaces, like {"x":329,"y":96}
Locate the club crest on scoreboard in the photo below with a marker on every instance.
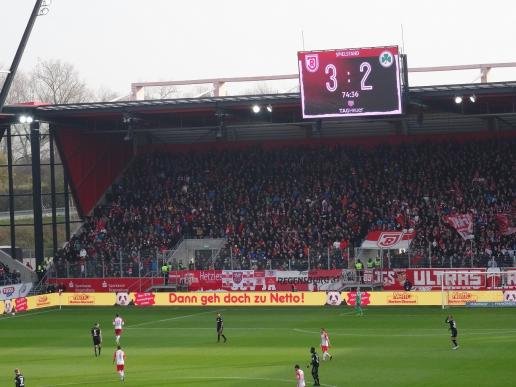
{"x":312,"y":62}
{"x":386,"y":59}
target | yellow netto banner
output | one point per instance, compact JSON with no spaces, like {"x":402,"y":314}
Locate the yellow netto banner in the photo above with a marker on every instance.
{"x":433,"y":298}
{"x":455,"y":297}
{"x":241,"y":299}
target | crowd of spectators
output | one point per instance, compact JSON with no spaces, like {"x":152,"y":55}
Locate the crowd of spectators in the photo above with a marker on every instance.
{"x":9,"y":277}
{"x":276,"y":207}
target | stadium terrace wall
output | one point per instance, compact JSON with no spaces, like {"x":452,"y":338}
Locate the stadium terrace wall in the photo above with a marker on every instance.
{"x":93,"y":162}
{"x":365,"y":141}
{"x":256,"y":299}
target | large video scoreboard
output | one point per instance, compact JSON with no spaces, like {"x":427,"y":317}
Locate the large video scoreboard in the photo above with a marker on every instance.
{"x":350,"y":82}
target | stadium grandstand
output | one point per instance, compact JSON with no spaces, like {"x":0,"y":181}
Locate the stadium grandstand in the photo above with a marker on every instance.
{"x":270,"y":190}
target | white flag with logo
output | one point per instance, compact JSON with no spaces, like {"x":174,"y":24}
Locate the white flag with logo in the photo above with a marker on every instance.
{"x":462,"y":223}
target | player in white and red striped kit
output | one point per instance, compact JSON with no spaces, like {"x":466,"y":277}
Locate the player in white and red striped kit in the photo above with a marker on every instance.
{"x":300,"y":376}
{"x":118,"y":323}
{"x":325,"y":344}
{"x":119,"y":357}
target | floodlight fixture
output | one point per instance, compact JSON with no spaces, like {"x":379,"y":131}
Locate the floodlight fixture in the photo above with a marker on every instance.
{"x":25,"y":119}
{"x":256,"y":109}
{"x":458,"y":99}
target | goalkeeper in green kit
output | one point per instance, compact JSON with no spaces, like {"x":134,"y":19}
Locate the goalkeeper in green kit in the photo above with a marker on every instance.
{"x":358,"y":303}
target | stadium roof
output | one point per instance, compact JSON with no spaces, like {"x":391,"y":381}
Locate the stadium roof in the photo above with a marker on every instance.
{"x":430,"y":109}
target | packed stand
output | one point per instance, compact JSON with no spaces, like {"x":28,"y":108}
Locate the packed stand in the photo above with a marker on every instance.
{"x":278,"y":207}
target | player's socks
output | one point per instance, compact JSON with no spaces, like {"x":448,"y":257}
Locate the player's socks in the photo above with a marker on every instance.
{"x":224,"y":337}
{"x":218,"y":338}
{"x":100,"y":350}
{"x":454,"y":343}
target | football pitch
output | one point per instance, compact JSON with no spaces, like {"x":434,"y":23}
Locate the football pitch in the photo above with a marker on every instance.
{"x":169,"y":346}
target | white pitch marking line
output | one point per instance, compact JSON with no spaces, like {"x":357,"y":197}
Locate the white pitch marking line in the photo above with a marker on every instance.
{"x":28,"y":314}
{"x":171,"y":319}
{"x":205,"y":328}
{"x":347,"y":313}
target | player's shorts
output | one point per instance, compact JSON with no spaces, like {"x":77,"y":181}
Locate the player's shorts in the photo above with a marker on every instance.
{"x":118,"y":332}
{"x":324,"y":348}
{"x":119,"y":367}
{"x":96,"y":341}
{"x":454,"y":333}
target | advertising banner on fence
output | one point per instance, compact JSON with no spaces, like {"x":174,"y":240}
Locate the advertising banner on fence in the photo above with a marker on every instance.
{"x":261,"y":280}
{"x":113,"y":284}
{"x":195,"y":280}
{"x":248,"y":280}
{"x":14,"y":291}
{"x":313,"y":280}
{"x":431,"y":279}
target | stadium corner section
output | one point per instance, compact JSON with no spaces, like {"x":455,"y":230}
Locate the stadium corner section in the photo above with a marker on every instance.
{"x":252,"y":298}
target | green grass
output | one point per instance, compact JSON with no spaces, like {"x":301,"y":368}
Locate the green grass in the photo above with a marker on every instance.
{"x":168,"y":346}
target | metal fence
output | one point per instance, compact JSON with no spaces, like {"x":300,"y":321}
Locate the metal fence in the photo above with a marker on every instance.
{"x":149,"y":262}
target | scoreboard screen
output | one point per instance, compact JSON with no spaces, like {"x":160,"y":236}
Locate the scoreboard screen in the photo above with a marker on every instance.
{"x":350,"y":82}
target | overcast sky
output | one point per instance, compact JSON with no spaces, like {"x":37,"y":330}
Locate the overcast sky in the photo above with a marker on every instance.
{"x":115,"y":42}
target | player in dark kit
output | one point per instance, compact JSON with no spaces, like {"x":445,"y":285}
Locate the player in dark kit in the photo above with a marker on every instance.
{"x":314,"y":362}
{"x":96,"y":335}
{"x":453,"y":329}
{"x":220,"y":328}
{"x":19,"y":380}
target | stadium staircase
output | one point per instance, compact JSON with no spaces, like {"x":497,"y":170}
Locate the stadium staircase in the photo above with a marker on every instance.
{"x":185,"y":251}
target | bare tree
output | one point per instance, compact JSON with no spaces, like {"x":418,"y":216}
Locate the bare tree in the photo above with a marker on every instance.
{"x":51,"y":81}
{"x":161,"y":92}
{"x":21,"y":90}
{"x":261,"y":88}
{"x":105,"y":94}
{"x":58,"y":82}
{"x":3,"y":174}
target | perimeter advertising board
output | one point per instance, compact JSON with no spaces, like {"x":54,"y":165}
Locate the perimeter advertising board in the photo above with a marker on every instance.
{"x":256,"y":299}
{"x":15,"y":291}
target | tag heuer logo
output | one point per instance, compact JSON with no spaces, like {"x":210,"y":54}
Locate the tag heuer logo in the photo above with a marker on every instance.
{"x":386,"y":59}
